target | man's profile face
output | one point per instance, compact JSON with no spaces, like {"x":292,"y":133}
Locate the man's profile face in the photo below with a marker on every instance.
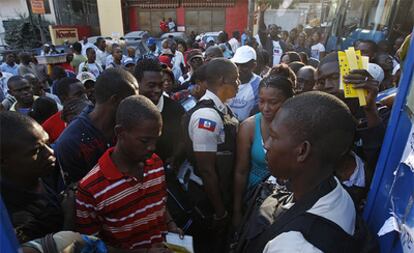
{"x":31,"y":155}
{"x":151,"y":85}
{"x":139,"y":142}
{"x":366,"y":49}
{"x":76,"y":90}
{"x":280,"y":147}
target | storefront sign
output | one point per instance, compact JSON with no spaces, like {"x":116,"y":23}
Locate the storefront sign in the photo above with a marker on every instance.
{"x":60,"y":34}
{"x":38,"y":6}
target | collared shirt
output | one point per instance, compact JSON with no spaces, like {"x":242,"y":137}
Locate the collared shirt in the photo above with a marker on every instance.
{"x":246,"y":98}
{"x":127,"y":213}
{"x":336,"y":206}
{"x":160,"y":105}
{"x":24,"y":111}
{"x":9,"y":69}
{"x":79,"y":146}
{"x":206,"y":128}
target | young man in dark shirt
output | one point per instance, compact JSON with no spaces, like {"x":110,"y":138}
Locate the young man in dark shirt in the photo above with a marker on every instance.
{"x":22,"y":90}
{"x":149,"y":76}
{"x":371,"y":119}
{"x":86,"y":138}
{"x":33,"y":207}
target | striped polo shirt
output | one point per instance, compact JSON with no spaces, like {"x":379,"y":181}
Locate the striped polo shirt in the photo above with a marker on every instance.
{"x":125,"y":212}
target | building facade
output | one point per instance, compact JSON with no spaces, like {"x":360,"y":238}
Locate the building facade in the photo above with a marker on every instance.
{"x":189,"y":15}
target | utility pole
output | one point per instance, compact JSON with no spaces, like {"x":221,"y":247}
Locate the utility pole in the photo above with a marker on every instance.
{"x":39,"y":26}
{"x":250,"y":16}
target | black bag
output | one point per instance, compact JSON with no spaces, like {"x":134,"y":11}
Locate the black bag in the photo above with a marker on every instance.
{"x":320,"y":232}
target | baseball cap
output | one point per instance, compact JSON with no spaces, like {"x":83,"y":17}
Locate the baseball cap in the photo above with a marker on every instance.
{"x":128,"y":61}
{"x":85,"y":76}
{"x":376,"y":72}
{"x":194,"y":54}
{"x":244,"y":54}
{"x":151,"y":41}
{"x":165,"y":59}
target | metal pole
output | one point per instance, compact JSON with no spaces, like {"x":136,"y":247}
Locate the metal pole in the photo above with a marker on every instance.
{"x":250,"y":16}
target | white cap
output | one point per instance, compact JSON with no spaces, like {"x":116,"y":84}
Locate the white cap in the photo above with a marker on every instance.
{"x":376,"y":72}
{"x":85,"y":76}
{"x":244,"y":54}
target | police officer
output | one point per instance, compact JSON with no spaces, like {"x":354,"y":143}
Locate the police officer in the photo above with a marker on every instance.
{"x":211,"y":132}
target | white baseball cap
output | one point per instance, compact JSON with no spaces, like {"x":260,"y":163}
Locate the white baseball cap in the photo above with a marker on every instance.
{"x":244,"y":54}
{"x":376,"y":72}
{"x":85,"y":76}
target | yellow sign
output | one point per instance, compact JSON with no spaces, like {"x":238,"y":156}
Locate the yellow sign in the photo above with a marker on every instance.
{"x":60,"y":34}
{"x":38,"y":6}
{"x":350,"y":60}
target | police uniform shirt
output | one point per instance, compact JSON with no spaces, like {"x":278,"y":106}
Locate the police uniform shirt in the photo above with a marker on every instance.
{"x":206,"y":128}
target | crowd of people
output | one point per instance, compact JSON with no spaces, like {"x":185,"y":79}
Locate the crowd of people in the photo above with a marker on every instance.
{"x":247,"y":144}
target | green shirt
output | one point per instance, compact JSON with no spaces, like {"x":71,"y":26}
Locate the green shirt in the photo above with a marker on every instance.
{"x":77,"y":59}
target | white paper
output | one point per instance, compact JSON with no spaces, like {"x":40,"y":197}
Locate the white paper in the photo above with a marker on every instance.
{"x":187,"y":242}
{"x":408,"y":155}
{"x":391,"y":224}
{"x":407,"y":239}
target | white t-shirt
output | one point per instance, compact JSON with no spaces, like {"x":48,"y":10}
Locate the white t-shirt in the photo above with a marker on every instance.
{"x":176,"y":61}
{"x":277,"y":52}
{"x":316,"y":50}
{"x":336,"y":206}
{"x":234,"y":43}
{"x":246,"y":98}
{"x":206,"y":128}
{"x":101,"y":57}
{"x":94,"y":68}
{"x":358,"y":177}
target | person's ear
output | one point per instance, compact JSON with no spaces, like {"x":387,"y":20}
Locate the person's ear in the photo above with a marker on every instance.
{"x":254,"y":65}
{"x":303,"y":151}
{"x":115,"y":100}
{"x":119,"y":130}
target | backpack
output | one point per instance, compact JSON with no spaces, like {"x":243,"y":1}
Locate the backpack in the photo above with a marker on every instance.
{"x":320,"y":232}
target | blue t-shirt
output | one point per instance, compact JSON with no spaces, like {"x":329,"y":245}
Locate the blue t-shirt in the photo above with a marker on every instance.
{"x":80,"y":146}
{"x":10,"y":69}
{"x":246,"y":98}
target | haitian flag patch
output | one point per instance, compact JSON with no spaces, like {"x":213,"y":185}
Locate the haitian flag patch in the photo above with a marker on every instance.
{"x":207,"y":124}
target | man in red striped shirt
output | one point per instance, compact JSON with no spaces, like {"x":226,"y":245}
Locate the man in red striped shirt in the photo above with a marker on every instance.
{"x":123,"y":198}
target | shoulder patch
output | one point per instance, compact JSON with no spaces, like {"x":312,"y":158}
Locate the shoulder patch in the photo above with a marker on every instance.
{"x":207,"y":124}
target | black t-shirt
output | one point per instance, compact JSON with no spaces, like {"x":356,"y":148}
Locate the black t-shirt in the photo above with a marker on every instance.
{"x":33,"y":214}
{"x":171,"y":137}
